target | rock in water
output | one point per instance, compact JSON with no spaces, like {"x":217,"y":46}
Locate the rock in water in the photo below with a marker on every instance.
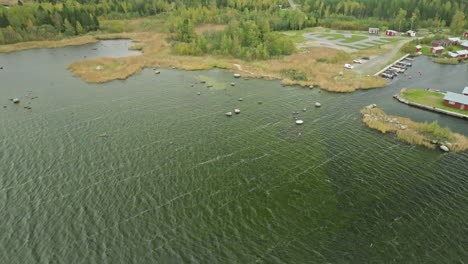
{"x":233,"y":84}
{"x":228,"y":114}
{"x":444,"y":148}
{"x":236,"y":75}
{"x":317,"y":104}
{"x":16,"y":100}
{"x":237,"y":111}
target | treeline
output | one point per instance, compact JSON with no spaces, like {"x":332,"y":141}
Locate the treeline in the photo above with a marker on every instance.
{"x":44,"y":21}
{"x":246,"y":39}
{"x":350,"y":13}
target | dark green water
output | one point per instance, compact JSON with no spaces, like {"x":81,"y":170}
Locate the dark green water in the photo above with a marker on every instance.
{"x":178,"y":182}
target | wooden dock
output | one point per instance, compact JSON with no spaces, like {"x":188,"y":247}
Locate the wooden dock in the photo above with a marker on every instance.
{"x":430,"y":108}
{"x":391,"y":65}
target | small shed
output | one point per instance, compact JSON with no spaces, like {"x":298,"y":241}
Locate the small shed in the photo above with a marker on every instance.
{"x":390,"y":32}
{"x":437,"y":49}
{"x":441,"y":43}
{"x":374,"y":31}
{"x":418,"y":48}
{"x":454,"y":40}
{"x":411,"y":33}
{"x":456,"y":100}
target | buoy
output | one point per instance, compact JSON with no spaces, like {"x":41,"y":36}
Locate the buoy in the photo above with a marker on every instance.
{"x":240,"y":99}
{"x":299,"y":122}
{"x":317,"y":104}
{"x":237,"y":111}
{"x":236,"y":75}
{"x":228,"y":114}
{"x":444,"y":148}
{"x":15,"y":100}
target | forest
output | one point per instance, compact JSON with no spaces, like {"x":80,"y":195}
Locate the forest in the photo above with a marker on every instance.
{"x":55,"y":19}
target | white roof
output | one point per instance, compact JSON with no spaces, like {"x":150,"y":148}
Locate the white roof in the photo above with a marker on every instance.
{"x":452,"y":54}
{"x":419,"y":47}
{"x":465,"y":91}
{"x":462,"y":52}
{"x":464,"y":43}
{"x":454,"y":39}
{"x":410,"y":31}
{"x":456,"y":97}
{"x":438,"y":48}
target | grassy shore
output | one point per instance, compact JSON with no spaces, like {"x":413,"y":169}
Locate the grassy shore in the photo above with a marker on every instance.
{"x":318,"y":66}
{"x":424,"y":134}
{"x":428,"y":98}
{"x":76,"y":41}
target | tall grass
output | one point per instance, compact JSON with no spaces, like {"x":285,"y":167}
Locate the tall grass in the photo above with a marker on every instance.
{"x":415,"y":133}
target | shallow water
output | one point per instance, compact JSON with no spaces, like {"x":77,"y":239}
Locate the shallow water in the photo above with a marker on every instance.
{"x":178,"y":182}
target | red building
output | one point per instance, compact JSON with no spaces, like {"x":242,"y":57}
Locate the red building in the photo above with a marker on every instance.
{"x":441,"y":43}
{"x":437,"y":49}
{"x":465,"y":35}
{"x":464,"y":44}
{"x":390,"y":32}
{"x":456,"y":100}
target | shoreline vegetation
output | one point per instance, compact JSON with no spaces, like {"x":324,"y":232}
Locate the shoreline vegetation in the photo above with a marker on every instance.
{"x":315,"y":66}
{"x":429,"y":135}
{"x":429,"y":98}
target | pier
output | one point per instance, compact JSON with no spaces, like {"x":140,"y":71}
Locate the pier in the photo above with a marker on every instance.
{"x":392,"y":65}
{"x":430,"y":108}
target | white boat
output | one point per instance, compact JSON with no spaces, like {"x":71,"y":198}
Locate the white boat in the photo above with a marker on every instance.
{"x":299,"y":122}
{"x":348,"y":66}
{"x":237,"y":111}
{"x":357,"y":61}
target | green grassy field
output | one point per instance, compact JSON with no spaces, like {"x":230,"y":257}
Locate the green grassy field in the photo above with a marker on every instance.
{"x":429,"y":98}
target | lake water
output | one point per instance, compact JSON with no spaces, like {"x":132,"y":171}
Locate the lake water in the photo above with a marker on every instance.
{"x":176,"y":181}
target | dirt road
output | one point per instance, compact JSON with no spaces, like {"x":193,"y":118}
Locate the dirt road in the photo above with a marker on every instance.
{"x":378,"y":62}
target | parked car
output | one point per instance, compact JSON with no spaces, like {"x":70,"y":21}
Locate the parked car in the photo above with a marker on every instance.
{"x":357,"y":61}
{"x":348,"y":66}
{"x":366,"y":58}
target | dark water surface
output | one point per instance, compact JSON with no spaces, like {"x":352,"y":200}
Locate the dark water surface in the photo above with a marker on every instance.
{"x":178,"y":182}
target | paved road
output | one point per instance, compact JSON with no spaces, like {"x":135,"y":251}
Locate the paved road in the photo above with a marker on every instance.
{"x":292,"y":4}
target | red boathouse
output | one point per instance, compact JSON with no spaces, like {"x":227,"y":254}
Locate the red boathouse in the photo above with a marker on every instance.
{"x":456,"y":100}
{"x":390,"y":32}
{"x":437,"y":49}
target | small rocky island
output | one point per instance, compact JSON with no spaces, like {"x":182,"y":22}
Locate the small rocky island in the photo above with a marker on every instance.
{"x":429,"y":135}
